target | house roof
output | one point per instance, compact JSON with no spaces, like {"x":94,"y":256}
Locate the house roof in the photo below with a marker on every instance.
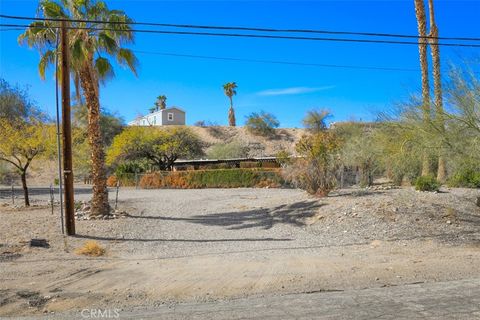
{"x":176,"y":108}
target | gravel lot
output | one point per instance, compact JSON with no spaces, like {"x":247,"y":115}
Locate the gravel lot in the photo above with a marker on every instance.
{"x":207,"y":245}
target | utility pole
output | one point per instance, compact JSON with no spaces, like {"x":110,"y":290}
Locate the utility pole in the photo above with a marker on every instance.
{"x":67,"y":134}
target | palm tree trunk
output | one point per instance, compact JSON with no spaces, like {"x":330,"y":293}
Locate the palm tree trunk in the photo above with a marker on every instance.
{"x":100,"y":204}
{"x":422,"y":48}
{"x":437,"y":90}
{"x":231,"y":114}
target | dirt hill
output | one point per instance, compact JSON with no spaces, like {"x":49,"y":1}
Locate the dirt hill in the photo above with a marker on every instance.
{"x":283,"y":139}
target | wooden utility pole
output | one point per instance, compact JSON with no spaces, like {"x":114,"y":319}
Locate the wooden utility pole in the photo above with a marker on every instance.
{"x":67,"y":134}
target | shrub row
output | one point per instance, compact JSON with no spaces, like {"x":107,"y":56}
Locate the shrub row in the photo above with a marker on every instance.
{"x":228,"y":178}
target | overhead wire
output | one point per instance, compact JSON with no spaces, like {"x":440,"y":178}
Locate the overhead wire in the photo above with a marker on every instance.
{"x":243,"y":35}
{"x":257,"y":29}
{"x":277,"y":61}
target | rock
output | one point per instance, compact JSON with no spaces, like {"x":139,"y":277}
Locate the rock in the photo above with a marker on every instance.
{"x":449,"y":222}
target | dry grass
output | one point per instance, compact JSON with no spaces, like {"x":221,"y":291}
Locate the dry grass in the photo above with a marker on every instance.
{"x":91,"y":248}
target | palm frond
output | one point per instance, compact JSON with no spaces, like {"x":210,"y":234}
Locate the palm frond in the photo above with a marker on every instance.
{"x":126,"y":57}
{"x":52,"y":9}
{"x":104,"y":69}
{"x":48,"y":58}
{"x":107,"y":43}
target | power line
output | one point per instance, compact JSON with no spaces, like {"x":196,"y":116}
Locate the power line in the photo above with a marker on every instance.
{"x":240,"y":35}
{"x":257,"y":29}
{"x":277,"y":62}
{"x":11,"y":29}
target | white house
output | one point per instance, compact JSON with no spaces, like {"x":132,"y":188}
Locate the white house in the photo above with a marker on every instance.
{"x":162,"y":117}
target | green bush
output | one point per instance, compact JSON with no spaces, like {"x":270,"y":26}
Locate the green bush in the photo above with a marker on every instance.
{"x":262,"y":123}
{"x":465,"y":178}
{"x":427,"y":183}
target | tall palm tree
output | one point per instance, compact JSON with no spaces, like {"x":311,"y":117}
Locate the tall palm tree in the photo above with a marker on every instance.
{"x":161,"y":102}
{"x":437,"y":87}
{"x":90,"y":45}
{"x":422,"y":48}
{"x":229,"y":89}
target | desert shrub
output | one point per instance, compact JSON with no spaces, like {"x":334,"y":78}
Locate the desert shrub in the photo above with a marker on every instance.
{"x":284,"y":158}
{"x":151,"y":181}
{"x":112,"y":181}
{"x":360,"y":149}
{"x":315,"y":172}
{"x":91,"y":248}
{"x":427,"y":183}
{"x":466,"y":178}
{"x":200,"y":123}
{"x":176,"y":180}
{"x":228,"y":151}
{"x":262,"y":123}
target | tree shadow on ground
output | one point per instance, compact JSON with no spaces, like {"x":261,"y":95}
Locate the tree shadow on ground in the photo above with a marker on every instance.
{"x":265,"y":218}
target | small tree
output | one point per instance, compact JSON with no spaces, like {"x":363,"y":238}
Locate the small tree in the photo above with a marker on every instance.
{"x":316,"y":172}
{"x":262,"y":123}
{"x":315,"y":120}
{"x":360,"y":149}
{"x":15,"y":104}
{"x":20,"y":143}
{"x":160,"y":147}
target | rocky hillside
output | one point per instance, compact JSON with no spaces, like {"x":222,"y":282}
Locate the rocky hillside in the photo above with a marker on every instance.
{"x":283,"y":139}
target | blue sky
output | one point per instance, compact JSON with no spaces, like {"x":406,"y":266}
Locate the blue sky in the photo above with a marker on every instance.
{"x":284,"y":90}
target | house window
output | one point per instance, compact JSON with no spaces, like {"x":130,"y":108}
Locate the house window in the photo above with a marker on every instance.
{"x":170,"y":116}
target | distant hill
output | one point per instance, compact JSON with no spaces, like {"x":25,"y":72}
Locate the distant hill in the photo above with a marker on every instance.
{"x":283,"y":139}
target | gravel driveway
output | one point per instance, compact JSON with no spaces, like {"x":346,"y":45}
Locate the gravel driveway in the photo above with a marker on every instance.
{"x":196,"y":246}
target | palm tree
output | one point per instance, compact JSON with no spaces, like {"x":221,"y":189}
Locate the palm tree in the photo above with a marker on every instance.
{"x":229,"y":89}
{"x":161,"y":102}
{"x":90,"y":45}
{"x":437,"y":87}
{"x":422,"y":48}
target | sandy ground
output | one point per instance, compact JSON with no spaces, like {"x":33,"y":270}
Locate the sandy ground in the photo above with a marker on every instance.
{"x":188,"y":246}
